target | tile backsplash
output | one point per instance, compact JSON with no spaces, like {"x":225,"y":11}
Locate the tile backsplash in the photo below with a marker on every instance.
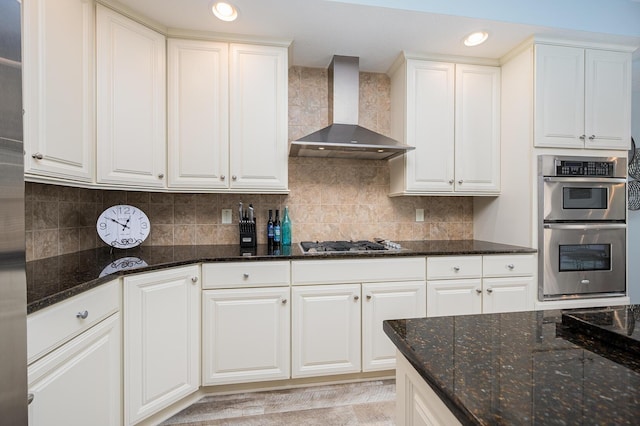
{"x":329,"y":198}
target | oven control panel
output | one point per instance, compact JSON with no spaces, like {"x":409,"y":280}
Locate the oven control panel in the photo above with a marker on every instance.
{"x":584,"y":168}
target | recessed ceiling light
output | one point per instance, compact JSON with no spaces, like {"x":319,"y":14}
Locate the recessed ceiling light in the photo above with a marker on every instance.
{"x":224,"y":11}
{"x":476,"y":38}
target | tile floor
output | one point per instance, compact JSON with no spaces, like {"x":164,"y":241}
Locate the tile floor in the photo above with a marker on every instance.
{"x":369,"y":403}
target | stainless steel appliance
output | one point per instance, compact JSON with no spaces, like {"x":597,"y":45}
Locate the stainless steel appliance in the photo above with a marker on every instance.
{"x":13,"y":297}
{"x":336,"y":247}
{"x":344,"y":138}
{"x":582,"y":227}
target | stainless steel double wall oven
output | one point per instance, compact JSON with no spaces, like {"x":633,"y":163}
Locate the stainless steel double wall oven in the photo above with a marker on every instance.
{"x":582,"y":227}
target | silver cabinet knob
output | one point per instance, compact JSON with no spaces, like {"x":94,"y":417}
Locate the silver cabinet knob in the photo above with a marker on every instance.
{"x":194,"y":279}
{"x":356,"y":298}
{"x":451,"y":181}
{"x":456,"y":268}
{"x":82,"y":315}
{"x":592,"y":137}
{"x":284,"y":301}
{"x":30,"y":397}
{"x":222,"y":177}
{"x":37,"y":156}
{"x":478,"y":291}
{"x":511,"y":266}
{"x":369,"y":297}
{"x":234,"y":177}
{"x":460,"y":182}
{"x":245,"y":275}
{"x":582,"y":137}
{"x":160,"y":175}
{"x":489,"y":290}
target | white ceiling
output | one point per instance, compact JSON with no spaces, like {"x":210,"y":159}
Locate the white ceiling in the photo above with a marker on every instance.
{"x":378,"y":30}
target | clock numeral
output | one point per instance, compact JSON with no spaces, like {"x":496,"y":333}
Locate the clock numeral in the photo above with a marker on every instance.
{"x":144,"y":225}
{"x":103,"y":226}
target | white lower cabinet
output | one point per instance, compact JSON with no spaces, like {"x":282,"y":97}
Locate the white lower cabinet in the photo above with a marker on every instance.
{"x":417,"y":404}
{"x":383,"y":301}
{"x":79,"y":383}
{"x":161,"y":340}
{"x":245,"y":335}
{"x":464,"y":285}
{"x":326,"y":330}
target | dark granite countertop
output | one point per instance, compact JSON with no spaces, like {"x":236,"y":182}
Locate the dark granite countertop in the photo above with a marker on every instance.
{"x":55,"y":279}
{"x":522,"y":368}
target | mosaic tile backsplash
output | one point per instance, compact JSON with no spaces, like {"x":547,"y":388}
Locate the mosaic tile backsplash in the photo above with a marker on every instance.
{"x":329,"y":198}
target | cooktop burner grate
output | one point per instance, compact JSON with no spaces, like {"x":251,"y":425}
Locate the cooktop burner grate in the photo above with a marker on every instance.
{"x":340,"y":246}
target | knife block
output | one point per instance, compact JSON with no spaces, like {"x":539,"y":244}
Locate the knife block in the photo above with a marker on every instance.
{"x":248,"y":234}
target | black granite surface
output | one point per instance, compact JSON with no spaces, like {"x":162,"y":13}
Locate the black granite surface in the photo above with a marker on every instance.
{"x":522,"y":368}
{"x":55,"y":279}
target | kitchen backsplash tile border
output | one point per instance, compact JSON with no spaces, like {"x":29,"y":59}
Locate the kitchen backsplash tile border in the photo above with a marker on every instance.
{"x":328,"y":199}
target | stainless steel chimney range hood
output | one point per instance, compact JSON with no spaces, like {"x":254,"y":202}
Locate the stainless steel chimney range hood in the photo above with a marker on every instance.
{"x":344,"y":138}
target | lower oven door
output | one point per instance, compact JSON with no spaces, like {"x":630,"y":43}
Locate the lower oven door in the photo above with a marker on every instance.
{"x":583,"y":260}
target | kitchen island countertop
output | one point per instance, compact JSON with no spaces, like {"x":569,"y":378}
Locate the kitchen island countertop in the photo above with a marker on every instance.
{"x":522,"y":368}
{"x":54,"y":279}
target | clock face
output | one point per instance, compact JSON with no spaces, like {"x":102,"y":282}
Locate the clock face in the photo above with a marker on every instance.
{"x":123,"y":226}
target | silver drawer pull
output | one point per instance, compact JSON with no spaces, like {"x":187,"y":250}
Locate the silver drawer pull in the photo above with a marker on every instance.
{"x":489,"y":290}
{"x":369,"y":297}
{"x":356,"y":298}
{"x":30,"y":397}
{"x":511,"y":266}
{"x":245,"y":275}
{"x":82,"y":315}
{"x":478,"y":291}
{"x":194,"y":279}
{"x":284,"y":301}
{"x":37,"y":156}
{"x":456,"y":268}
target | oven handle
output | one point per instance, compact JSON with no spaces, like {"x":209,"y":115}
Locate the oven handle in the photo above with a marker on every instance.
{"x":583,"y":179}
{"x":585,"y":226}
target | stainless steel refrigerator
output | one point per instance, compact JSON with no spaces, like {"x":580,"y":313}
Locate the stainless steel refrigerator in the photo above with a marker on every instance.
{"x":13,"y":292}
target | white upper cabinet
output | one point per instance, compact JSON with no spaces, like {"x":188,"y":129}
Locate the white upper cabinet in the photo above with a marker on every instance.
{"x":131,"y":102}
{"x":198,"y":113}
{"x":451,"y":114}
{"x":258,"y":127}
{"x":477,"y":129}
{"x":582,"y":98}
{"x":59,"y":130}
{"x":227,"y":108}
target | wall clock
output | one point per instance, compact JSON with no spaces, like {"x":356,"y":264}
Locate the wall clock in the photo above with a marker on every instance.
{"x":123,"y":226}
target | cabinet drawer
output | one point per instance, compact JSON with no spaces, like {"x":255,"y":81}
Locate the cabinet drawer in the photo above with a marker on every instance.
{"x":305,"y":272}
{"x":450,"y":267}
{"x":508,"y":265}
{"x":245,"y":274}
{"x":50,"y":327}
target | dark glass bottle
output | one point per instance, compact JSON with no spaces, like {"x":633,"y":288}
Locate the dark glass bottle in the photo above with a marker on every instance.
{"x":276,"y":229}
{"x":270,"y":229}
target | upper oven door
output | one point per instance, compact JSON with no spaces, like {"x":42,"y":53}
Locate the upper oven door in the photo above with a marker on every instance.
{"x":583,"y":199}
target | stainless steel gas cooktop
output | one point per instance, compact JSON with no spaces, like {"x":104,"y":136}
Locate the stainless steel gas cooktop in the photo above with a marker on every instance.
{"x":310,"y":247}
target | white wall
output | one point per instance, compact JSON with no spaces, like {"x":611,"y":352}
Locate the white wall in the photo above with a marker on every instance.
{"x":634,"y":216}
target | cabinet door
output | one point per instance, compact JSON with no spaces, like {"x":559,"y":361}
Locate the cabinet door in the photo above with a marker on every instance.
{"x":198,"y":113}
{"x":477,"y":129}
{"x":131,"y":135}
{"x":508,"y":294}
{"x":325,"y":330}
{"x":607,"y":99}
{"x":258,"y":117}
{"x":161,"y":340}
{"x":559,"y":97}
{"x":58,"y":86}
{"x":383,"y":301}
{"x":454,"y":297}
{"x":430,"y":126}
{"x":245,"y":335}
{"x":80,"y":382}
